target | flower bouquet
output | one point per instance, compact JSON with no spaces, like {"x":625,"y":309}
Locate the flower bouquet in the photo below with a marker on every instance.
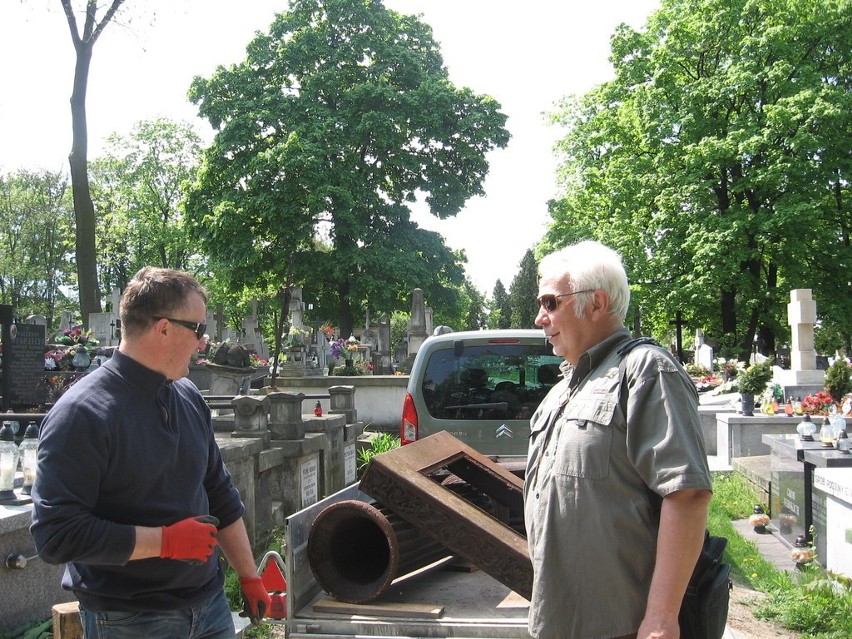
{"x":342,"y":349}
{"x":820,"y":403}
{"x":79,"y":349}
{"x":297,"y":337}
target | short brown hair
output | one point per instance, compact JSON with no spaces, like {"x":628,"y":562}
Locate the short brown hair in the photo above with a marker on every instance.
{"x":155,"y":292}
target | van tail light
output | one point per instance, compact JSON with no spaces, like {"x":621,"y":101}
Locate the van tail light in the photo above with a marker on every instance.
{"x":408,"y":426}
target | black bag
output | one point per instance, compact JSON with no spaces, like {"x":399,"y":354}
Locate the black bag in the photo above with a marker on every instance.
{"x":704,"y":611}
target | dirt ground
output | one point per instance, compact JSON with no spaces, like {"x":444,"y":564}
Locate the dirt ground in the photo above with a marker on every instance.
{"x":743,"y":623}
{"x":741,"y":619}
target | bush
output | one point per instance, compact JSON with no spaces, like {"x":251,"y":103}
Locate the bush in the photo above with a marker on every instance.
{"x":754,"y":379}
{"x":838,"y":380}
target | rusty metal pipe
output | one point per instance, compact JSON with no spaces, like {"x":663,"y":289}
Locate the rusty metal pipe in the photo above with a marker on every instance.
{"x":357,"y":549}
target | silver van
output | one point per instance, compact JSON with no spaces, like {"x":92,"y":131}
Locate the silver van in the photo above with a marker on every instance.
{"x":480,"y":386}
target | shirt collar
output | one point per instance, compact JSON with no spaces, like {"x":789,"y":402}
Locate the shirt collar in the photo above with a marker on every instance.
{"x":136,"y":373}
{"x":595,"y":356}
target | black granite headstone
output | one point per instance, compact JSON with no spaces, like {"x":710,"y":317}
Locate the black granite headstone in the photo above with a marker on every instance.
{"x":24,"y":364}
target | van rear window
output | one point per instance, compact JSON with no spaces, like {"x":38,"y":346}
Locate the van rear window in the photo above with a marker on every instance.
{"x":489,"y":381}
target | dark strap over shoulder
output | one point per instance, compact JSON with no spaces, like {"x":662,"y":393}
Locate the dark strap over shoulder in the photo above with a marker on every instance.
{"x":636,"y":341}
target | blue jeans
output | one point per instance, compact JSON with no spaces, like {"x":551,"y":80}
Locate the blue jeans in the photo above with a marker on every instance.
{"x":209,"y":619}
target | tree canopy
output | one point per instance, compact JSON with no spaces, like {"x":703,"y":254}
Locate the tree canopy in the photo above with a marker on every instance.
{"x":340,"y":116}
{"x":717,"y":161}
{"x":138,"y":187}
{"x":36,"y":242}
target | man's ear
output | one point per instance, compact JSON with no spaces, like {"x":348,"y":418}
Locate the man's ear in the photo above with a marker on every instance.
{"x":599,"y":306}
{"x":162,"y":327}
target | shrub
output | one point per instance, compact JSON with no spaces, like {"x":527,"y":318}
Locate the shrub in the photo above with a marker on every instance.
{"x":838,"y":380}
{"x":754,"y":379}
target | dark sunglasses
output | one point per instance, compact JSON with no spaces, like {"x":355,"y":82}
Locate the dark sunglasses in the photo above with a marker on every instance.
{"x":198,"y":327}
{"x":550,"y":302}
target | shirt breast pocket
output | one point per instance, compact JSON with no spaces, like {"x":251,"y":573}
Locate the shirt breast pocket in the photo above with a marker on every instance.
{"x":584,"y":445}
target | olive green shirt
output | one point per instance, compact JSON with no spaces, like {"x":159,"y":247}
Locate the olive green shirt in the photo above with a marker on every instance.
{"x":602,"y":457}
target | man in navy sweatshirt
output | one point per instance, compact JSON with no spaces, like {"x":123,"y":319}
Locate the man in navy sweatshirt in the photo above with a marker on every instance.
{"x":131,"y":492}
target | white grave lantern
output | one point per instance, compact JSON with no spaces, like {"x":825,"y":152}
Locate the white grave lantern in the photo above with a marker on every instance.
{"x":9,"y":454}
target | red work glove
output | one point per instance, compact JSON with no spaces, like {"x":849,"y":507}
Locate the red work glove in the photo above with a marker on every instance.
{"x":192,"y":539}
{"x":256,"y":600}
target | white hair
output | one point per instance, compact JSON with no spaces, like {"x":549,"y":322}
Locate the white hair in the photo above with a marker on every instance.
{"x":590,"y":265}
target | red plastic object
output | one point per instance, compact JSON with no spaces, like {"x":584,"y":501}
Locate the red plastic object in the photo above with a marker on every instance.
{"x":272,"y":575}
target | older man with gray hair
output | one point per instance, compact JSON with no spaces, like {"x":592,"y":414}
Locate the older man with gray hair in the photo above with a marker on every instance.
{"x":617,"y":484}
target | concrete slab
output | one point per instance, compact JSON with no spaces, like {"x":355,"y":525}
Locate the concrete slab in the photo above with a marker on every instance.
{"x":770,"y":545}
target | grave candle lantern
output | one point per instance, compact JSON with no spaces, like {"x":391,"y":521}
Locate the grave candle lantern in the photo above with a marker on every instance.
{"x":29,"y":457}
{"x":8,"y":462}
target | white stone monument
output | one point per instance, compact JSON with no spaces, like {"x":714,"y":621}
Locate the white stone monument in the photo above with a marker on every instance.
{"x":801,"y":315}
{"x":703,"y":352}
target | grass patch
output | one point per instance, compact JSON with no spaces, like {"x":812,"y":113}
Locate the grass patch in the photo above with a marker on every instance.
{"x":813,"y":602}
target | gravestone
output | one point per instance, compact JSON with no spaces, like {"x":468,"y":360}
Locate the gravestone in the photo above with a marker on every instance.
{"x":104,"y":327}
{"x":383,"y":338}
{"x":297,"y":308}
{"x":323,"y":351}
{"x":417,"y":330}
{"x":252,"y":337}
{"x":66,"y":320}
{"x":703,"y":352}
{"x":803,"y":376}
{"x":40,"y":320}
{"x":23,"y":362}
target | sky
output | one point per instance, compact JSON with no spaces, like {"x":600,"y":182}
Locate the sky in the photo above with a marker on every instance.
{"x":527,"y":55}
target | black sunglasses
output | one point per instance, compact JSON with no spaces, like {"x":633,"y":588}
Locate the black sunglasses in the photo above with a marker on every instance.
{"x":198,"y":327}
{"x":550,"y":302}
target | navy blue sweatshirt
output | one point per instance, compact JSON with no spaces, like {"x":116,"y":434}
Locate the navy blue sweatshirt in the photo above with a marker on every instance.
{"x":124,"y":447}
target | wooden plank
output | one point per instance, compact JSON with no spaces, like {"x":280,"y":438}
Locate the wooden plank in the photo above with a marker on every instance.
{"x":411,"y":611}
{"x":66,"y":621}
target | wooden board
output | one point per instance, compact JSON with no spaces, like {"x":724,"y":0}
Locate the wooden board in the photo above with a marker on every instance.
{"x":415,"y":611}
{"x":66,"y":621}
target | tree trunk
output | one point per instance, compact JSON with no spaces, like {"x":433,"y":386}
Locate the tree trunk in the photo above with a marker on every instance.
{"x":84,"y":210}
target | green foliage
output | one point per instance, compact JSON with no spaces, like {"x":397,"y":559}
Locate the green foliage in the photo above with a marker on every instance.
{"x":838,"y":380}
{"x":340,"y":116}
{"x":754,"y":379}
{"x":716,"y":162}
{"x":697,"y":370}
{"x":138,"y":189}
{"x":39,"y":629}
{"x":36,"y":243}
{"x":235,"y":598}
{"x":501,"y":307}
{"x":379,"y":443}
{"x":524,"y":292}
{"x":812,"y":602}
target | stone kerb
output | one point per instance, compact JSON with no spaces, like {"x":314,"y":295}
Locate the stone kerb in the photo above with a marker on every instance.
{"x":285,"y":415}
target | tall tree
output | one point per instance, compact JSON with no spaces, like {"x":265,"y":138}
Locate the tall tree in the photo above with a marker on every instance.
{"x":501,"y":307}
{"x":78,"y":159}
{"x":138,"y":185}
{"x":328,"y":130}
{"x":524,"y":291}
{"x":717,"y":161}
{"x":36,"y":242}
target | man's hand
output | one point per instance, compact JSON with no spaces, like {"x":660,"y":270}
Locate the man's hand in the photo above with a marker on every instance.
{"x":256,"y":600}
{"x":192,"y":539}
